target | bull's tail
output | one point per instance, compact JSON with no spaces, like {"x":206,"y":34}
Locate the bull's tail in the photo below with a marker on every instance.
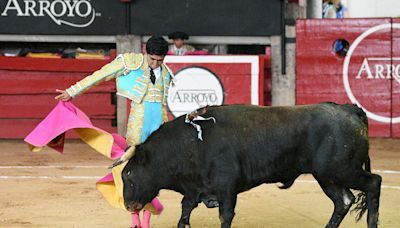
{"x":367,"y":165}
{"x":361,"y":199}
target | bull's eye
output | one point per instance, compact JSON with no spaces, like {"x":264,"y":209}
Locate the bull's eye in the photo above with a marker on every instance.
{"x":128,"y":173}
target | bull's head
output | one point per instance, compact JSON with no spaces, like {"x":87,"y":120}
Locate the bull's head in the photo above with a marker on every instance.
{"x":140,"y":183}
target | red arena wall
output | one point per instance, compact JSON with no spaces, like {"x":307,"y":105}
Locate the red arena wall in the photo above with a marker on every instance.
{"x":368,"y":75}
{"x":28,"y":87}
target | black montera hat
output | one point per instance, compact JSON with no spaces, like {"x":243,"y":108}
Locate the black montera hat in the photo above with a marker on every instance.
{"x":178,"y":35}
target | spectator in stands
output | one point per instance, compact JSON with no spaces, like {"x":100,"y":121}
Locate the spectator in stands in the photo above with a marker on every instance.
{"x":179,"y":47}
{"x":326,"y":7}
{"x":143,"y":79}
{"x":334,"y":9}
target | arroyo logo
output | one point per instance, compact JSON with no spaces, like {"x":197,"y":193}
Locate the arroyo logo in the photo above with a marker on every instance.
{"x":195,"y":87}
{"x":66,"y":12}
{"x":378,"y":68}
{"x":373,"y":69}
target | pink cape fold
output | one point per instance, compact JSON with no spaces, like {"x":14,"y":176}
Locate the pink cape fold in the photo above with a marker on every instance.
{"x":66,"y":116}
{"x":119,"y":146}
{"x":51,"y":131}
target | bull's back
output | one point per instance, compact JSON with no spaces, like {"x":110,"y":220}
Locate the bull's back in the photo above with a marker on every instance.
{"x":276,"y":144}
{"x":283,"y":122}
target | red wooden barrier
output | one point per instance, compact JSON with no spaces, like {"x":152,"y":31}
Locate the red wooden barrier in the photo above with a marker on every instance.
{"x":27,"y":91}
{"x":265,"y":66}
{"x":96,"y":105}
{"x":396,"y":77}
{"x":46,"y":64}
{"x":27,"y":87}
{"x":33,"y":82}
{"x":364,"y":76}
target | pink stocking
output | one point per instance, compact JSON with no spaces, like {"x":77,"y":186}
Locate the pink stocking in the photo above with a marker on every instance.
{"x":135,"y":220}
{"x":157,"y":205}
{"x":146,"y":219}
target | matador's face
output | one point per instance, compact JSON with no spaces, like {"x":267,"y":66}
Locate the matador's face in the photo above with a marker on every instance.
{"x":155,"y":61}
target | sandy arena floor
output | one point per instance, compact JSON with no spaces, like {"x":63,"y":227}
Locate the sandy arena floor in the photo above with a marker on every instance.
{"x":48,"y":189}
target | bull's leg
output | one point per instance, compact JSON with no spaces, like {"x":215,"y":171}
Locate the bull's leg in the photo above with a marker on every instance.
{"x":226,"y":209}
{"x":373,"y":195}
{"x":187,"y":206}
{"x":371,"y":185}
{"x":342,"y":198}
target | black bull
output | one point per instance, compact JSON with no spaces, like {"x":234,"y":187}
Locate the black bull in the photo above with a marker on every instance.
{"x":249,"y":146}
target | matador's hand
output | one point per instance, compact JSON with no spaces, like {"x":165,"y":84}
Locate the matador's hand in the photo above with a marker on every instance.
{"x":63,"y":96}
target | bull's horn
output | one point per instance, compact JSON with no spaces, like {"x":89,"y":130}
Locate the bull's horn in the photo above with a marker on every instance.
{"x":129,"y":153}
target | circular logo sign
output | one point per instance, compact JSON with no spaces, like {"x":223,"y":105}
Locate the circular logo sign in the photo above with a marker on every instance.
{"x":194,"y":87}
{"x":375,"y":70}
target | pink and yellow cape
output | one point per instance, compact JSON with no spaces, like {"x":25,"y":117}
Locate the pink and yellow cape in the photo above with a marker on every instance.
{"x":65,"y":116}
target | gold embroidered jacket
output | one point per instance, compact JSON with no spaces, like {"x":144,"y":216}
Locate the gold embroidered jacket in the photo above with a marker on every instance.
{"x":132,"y":75}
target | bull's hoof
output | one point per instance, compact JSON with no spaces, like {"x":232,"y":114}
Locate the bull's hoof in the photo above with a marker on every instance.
{"x":183,"y":225}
